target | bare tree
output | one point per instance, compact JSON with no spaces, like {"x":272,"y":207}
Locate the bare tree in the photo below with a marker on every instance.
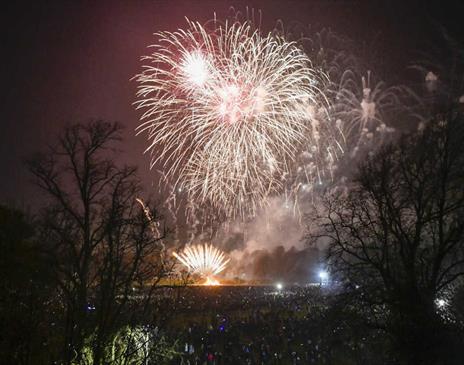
{"x":396,"y":238}
{"x":97,"y":234}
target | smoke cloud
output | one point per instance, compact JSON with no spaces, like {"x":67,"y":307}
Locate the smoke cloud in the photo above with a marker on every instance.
{"x":270,"y":247}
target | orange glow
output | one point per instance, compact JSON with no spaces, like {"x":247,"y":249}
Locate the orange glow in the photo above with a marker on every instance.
{"x":211,"y":281}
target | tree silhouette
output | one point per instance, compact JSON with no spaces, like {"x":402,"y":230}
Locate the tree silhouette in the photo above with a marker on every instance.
{"x":98,"y":236}
{"x":396,"y":238}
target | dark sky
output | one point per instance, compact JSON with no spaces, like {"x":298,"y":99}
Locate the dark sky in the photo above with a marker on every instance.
{"x":67,"y":61}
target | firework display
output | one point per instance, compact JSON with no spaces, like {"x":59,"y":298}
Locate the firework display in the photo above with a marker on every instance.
{"x":362,"y":114}
{"x":235,"y":117}
{"x":205,"y":260}
{"x":227,"y":110}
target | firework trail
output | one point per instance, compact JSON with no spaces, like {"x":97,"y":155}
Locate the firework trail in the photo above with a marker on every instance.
{"x":205,"y":259}
{"x":227,"y":109}
{"x":153,"y":224}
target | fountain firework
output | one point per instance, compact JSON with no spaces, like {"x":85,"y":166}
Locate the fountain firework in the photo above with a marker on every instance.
{"x":205,"y":260}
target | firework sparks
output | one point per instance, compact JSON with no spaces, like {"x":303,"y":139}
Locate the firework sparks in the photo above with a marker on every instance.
{"x":211,"y":282}
{"x":205,"y":260}
{"x":361,"y":114}
{"x":227,"y":109}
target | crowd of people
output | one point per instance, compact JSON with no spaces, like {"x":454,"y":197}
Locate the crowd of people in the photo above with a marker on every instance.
{"x":247,"y":325}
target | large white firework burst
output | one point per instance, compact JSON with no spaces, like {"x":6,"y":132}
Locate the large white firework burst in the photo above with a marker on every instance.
{"x":227,"y":110}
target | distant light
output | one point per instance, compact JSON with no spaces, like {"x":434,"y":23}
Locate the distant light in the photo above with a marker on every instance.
{"x":323,"y":275}
{"x":279,"y":286}
{"x":441,"y":303}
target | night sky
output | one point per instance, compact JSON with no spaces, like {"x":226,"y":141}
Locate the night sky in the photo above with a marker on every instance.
{"x":72,"y":61}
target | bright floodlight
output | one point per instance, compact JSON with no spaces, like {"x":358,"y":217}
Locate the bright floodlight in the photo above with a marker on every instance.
{"x":323,"y":275}
{"x":279,"y":286}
